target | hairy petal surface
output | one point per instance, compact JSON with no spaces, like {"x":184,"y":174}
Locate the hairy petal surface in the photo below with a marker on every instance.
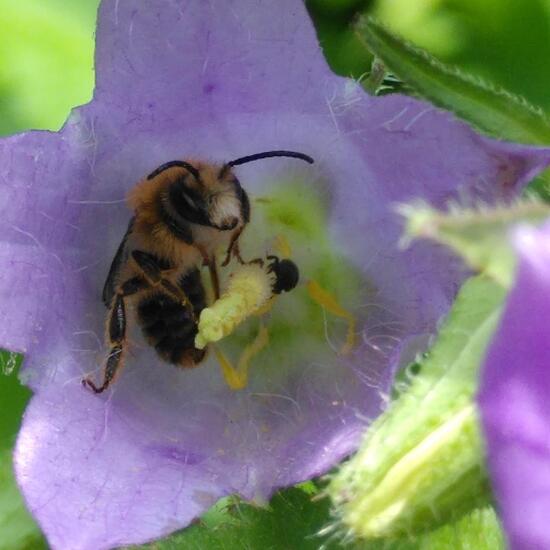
{"x":514,"y":397}
{"x":182,"y":79}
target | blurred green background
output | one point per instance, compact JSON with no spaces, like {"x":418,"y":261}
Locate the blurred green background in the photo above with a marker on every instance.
{"x":46,"y":47}
{"x":46,"y":68}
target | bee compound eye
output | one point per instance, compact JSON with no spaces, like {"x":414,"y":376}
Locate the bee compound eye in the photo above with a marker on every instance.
{"x":229,"y":223}
{"x":232,"y":222}
{"x":188,"y":199}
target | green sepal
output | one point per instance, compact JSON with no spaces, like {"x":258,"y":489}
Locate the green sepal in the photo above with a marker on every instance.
{"x":478,"y":530}
{"x":494,"y":111}
{"x":421,"y":462}
{"x":479,"y":235}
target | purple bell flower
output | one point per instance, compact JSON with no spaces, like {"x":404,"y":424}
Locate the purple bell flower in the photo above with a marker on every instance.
{"x":215,"y":81}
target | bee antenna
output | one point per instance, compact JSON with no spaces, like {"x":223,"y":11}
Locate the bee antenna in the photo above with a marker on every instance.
{"x":180,"y":163}
{"x":269,"y":154}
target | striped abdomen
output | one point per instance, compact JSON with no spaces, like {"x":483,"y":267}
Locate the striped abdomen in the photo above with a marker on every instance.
{"x":171,"y":327}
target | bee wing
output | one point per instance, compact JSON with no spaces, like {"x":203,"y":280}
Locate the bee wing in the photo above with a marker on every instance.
{"x":120,"y":257}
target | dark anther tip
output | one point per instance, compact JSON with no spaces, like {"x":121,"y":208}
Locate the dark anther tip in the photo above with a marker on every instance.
{"x":286,"y":273}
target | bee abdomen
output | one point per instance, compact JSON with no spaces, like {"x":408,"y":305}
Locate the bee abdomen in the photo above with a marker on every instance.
{"x":191,"y":284}
{"x":170,"y":328}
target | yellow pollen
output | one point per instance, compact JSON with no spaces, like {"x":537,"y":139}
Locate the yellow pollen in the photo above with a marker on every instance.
{"x":326,"y":300}
{"x":249,"y":290}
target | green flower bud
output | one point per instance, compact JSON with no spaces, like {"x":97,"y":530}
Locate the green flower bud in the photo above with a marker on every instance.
{"x":421,"y":463}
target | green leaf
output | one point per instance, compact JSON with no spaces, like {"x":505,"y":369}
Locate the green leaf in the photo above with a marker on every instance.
{"x":504,"y":41}
{"x":421,"y":462}
{"x":492,"y":110}
{"x":293,"y":520}
{"x":18,"y":530}
{"x":13,"y":396}
{"x":342,"y":48}
{"x":480,"y":235}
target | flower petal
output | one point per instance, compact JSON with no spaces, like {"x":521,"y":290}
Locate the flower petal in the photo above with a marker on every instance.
{"x":406,"y":150}
{"x":37,"y":240}
{"x":179,"y":63}
{"x":514,"y":397}
{"x":101,"y":473}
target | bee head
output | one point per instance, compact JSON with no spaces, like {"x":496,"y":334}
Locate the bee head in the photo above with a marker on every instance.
{"x":205,"y":194}
{"x":230,"y":197}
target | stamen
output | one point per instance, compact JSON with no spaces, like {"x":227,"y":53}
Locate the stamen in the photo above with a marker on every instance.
{"x":237,"y":378}
{"x":259,"y":343}
{"x":282,"y":246}
{"x":326,"y":300}
{"x":232,"y":377}
{"x":250,"y":292}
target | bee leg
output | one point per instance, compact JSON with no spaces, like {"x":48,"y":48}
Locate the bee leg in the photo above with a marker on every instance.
{"x":233,"y":248}
{"x":116,"y":333}
{"x":258,"y":261}
{"x":214,"y":277}
{"x":210,"y":262}
{"x":204,"y":254}
{"x":237,"y":253}
{"x":114,"y":362}
{"x":153,"y":273}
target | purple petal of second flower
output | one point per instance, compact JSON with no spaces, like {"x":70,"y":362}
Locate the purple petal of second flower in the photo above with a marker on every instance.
{"x":514,"y":398}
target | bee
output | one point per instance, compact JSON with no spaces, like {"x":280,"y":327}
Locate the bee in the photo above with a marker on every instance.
{"x":184,"y":212}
